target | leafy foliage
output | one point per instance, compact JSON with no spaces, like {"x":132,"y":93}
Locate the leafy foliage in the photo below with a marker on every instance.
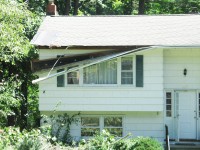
{"x":12,"y":138}
{"x":18,"y":26}
{"x":172,"y":6}
{"x":57,"y":127}
{"x":105,"y":141}
{"x":9,"y":100}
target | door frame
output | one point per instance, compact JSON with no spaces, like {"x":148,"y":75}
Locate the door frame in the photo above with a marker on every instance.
{"x":176,"y":120}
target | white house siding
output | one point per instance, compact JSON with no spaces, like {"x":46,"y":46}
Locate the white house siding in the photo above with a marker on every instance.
{"x":175,"y":61}
{"x":109,"y":97}
{"x":141,"y":107}
{"x":137,"y":123}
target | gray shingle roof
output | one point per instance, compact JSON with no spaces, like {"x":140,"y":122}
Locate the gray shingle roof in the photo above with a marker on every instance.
{"x":167,"y":30}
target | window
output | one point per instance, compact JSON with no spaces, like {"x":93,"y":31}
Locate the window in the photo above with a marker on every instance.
{"x":92,"y":125}
{"x":113,"y":125}
{"x":102,"y":73}
{"x":89,"y":126}
{"x":73,"y":77}
{"x":126,"y":70}
{"x":168,"y":104}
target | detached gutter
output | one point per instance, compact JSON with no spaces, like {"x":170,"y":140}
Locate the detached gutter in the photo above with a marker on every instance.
{"x":105,"y":58}
{"x":94,"y":61}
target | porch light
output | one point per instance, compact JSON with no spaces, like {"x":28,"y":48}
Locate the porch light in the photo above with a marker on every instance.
{"x":185,"y":72}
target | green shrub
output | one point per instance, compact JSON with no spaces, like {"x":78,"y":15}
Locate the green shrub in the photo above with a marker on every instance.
{"x":56,"y":128}
{"x":102,"y":141}
{"x":145,"y":143}
{"x":106,"y":141}
{"x":14,"y":139}
{"x":122,"y":145}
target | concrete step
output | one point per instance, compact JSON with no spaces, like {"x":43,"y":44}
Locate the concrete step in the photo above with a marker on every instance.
{"x":184,"y":146}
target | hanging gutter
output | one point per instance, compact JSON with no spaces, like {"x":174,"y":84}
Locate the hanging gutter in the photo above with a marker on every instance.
{"x":106,"y":58}
{"x":91,"y":62}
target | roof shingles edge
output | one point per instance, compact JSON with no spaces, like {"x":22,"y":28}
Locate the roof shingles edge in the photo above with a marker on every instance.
{"x":167,"y":30}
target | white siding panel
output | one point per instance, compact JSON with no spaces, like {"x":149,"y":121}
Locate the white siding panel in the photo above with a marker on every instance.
{"x":175,"y":61}
{"x":145,"y":124}
{"x":52,"y":53}
{"x":103,"y":107}
{"x":137,"y":123}
{"x":147,"y":87}
{"x":100,"y":101}
{"x":101,"y":94}
{"x":107,"y":97}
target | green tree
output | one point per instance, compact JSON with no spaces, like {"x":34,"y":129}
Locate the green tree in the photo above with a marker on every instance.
{"x":17,"y":26}
{"x":172,"y":7}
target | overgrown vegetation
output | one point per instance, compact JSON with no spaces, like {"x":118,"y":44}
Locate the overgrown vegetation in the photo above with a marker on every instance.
{"x":19,"y":21}
{"x":12,"y":139}
{"x":120,"y":7}
{"x":106,"y":141}
{"x":17,"y":27}
{"x":57,"y":127}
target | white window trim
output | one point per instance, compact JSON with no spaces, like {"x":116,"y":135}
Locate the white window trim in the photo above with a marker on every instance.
{"x":172,"y":103}
{"x":134,"y":71}
{"x":109,"y":85}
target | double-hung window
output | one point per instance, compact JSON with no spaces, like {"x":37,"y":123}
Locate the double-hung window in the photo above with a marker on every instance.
{"x":90,"y":126}
{"x":73,"y":77}
{"x":127,"y":70}
{"x":113,"y":125}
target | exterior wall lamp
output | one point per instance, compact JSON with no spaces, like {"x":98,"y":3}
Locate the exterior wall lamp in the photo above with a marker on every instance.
{"x":185,"y":72}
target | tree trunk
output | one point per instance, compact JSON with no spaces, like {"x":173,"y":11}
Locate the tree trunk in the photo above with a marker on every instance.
{"x":141,"y":8}
{"x":24,"y":102}
{"x":67,"y":6}
{"x":76,"y":3}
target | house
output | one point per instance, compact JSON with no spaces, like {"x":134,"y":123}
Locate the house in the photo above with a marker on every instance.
{"x":128,"y":74}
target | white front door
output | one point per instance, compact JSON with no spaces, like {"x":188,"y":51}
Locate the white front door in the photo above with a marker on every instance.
{"x":186,"y":114}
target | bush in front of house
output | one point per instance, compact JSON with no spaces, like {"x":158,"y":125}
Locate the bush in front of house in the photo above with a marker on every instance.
{"x":11,"y":138}
{"x":145,"y":143}
{"x":105,"y":141}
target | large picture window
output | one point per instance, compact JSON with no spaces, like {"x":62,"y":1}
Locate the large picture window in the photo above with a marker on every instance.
{"x":102,"y":73}
{"x":127,"y":70}
{"x":92,"y":125}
